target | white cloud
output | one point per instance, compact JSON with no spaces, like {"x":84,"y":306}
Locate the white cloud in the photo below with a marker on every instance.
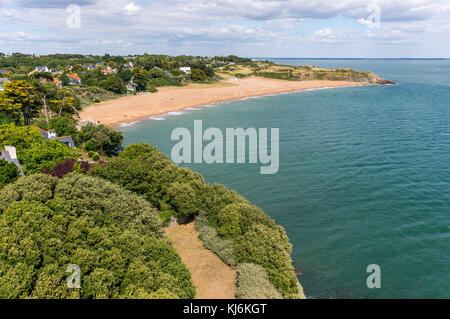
{"x":131,"y":8}
{"x":232,"y":24}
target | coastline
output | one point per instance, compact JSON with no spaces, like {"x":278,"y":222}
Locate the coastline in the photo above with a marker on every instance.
{"x":170,"y":99}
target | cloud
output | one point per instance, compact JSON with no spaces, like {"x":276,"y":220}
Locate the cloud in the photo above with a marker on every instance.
{"x":52,"y":3}
{"x":241,"y":25}
{"x":131,"y":8}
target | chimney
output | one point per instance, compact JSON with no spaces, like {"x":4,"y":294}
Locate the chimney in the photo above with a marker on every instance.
{"x":52,"y":134}
{"x":11,"y":151}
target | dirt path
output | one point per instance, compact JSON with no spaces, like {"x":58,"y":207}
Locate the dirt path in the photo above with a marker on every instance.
{"x":211,"y":277}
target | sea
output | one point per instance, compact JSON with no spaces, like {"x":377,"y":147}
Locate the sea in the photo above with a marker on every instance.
{"x":363,"y":179}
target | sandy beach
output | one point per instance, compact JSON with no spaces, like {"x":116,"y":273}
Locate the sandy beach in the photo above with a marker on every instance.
{"x":169,"y":99}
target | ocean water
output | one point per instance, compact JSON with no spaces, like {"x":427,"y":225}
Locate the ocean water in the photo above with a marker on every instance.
{"x":364,"y":176}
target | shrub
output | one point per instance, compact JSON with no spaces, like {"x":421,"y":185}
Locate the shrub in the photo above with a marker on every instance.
{"x":150,"y":173}
{"x":45,"y":156}
{"x":90,"y":154}
{"x":221,"y":247}
{"x":254,"y":246}
{"x":253,"y":283}
{"x":113,"y":235}
{"x":101,"y":138}
{"x":235,"y":219}
{"x":8,"y":173}
{"x":229,"y":226}
{"x":216,"y":198}
{"x":22,"y":137}
{"x":68,"y":166}
{"x":166,"y":216}
{"x":95,"y":157}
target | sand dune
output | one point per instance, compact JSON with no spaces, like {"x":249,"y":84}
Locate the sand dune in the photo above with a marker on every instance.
{"x":169,"y":99}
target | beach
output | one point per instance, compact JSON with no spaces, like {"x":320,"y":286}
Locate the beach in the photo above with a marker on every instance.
{"x":169,"y":99}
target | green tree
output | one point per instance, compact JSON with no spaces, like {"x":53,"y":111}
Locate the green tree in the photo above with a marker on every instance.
{"x":140,"y":78}
{"x":64,"y":126}
{"x":114,"y":84}
{"x":19,"y":100}
{"x":101,"y":138}
{"x":21,"y":137}
{"x":45,"y":155}
{"x":8,"y":173}
{"x":198,"y":75}
{"x":114,"y":236}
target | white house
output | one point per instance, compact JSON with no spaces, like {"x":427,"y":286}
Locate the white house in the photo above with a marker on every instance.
{"x":131,"y":86}
{"x":186,"y":69}
{"x":41,"y":69}
{"x":51,"y":135}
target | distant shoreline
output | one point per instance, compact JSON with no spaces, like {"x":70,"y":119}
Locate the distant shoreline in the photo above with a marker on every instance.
{"x":169,"y":99}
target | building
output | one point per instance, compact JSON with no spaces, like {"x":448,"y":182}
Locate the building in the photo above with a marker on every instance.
{"x":10,"y":155}
{"x":57,"y":72}
{"x":185,"y":69}
{"x":129,"y":66}
{"x":74,"y":79}
{"x":41,"y":69}
{"x":57,"y":82}
{"x":51,"y":135}
{"x":3,"y":81}
{"x":131,"y":86}
{"x":108,"y":70}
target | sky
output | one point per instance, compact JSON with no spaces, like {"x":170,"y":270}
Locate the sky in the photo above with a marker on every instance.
{"x":248,"y":28}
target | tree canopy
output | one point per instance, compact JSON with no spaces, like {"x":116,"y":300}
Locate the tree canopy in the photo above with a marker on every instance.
{"x":113,"y":236}
{"x":8,"y":173}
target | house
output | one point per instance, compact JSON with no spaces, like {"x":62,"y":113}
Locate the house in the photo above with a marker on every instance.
{"x":41,"y":69}
{"x":10,"y":155}
{"x":108,"y":70}
{"x":185,"y":69}
{"x":131,"y":86}
{"x":57,"y":72}
{"x":51,"y":135}
{"x":129,"y":66}
{"x":57,"y":82}
{"x":74,"y":79}
{"x":2,"y":81}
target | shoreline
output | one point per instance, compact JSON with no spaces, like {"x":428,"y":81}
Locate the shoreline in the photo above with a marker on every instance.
{"x":134,"y":108}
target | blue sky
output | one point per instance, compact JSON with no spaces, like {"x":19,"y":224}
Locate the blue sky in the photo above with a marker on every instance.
{"x":253,"y":28}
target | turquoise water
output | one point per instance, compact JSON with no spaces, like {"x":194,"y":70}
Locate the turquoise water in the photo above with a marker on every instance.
{"x":364,"y":176}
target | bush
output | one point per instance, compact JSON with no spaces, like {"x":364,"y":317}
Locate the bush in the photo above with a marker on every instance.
{"x":21,"y":137}
{"x":235,"y":219}
{"x":95,"y":157}
{"x":221,"y":247}
{"x":229,"y":226}
{"x":45,"y":156}
{"x":150,"y":173}
{"x":101,"y":138}
{"x":68,"y":166}
{"x":90,"y":154}
{"x":166,"y":216}
{"x":8,"y":173}
{"x":113,"y":235}
{"x":253,"y":247}
{"x":253,"y":283}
